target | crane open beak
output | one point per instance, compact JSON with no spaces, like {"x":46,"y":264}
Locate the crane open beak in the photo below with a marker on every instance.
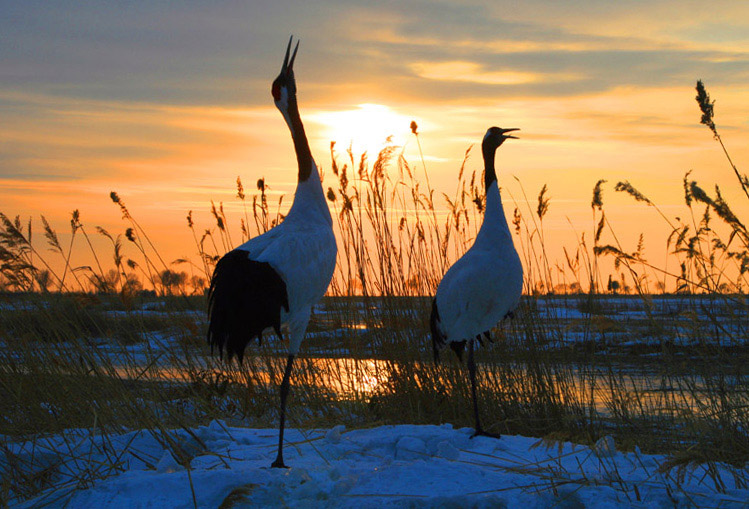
{"x":503,"y":131}
{"x":288,"y":66}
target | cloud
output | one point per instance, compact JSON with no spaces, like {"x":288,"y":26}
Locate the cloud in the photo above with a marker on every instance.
{"x":475,"y":73}
{"x":548,"y":50}
{"x":227,"y":53}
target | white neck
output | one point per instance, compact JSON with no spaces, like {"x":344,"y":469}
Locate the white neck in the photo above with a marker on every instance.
{"x":309,"y":200}
{"x":494,"y":230}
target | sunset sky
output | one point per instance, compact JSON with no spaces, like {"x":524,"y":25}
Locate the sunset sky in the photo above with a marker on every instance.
{"x":168,"y":102}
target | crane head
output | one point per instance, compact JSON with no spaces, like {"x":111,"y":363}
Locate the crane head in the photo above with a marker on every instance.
{"x":495,"y":136}
{"x":284,"y":86}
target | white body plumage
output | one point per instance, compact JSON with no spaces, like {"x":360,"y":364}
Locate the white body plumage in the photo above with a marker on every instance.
{"x":485,"y":284}
{"x":302,"y":250}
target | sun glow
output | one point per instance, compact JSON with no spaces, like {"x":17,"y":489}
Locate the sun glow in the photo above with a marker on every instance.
{"x":365,"y":128}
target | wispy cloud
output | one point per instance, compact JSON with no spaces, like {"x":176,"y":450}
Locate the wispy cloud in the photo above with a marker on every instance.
{"x":475,"y":73}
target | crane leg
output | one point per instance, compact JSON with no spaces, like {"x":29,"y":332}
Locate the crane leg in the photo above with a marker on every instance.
{"x":284,"y":393}
{"x":478,"y":430}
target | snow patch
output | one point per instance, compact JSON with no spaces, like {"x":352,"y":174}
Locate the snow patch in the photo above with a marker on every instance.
{"x":389,"y":466}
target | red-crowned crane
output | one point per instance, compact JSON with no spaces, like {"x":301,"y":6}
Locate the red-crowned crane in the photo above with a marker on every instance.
{"x":484,"y":285}
{"x":277,"y":277}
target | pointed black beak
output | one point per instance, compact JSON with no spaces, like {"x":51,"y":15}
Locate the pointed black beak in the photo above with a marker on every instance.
{"x":503,"y":131}
{"x":288,"y":66}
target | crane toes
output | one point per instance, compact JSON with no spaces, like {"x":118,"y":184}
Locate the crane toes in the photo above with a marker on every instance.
{"x":278,"y":464}
{"x":482,"y":433}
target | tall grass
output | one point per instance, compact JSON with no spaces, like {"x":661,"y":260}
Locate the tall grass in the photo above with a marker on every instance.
{"x":123,"y":348}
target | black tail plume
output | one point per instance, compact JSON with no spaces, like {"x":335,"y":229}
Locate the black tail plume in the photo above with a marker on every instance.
{"x":245,"y":297}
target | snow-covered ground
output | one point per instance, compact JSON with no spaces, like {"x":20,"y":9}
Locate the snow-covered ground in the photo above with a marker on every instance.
{"x":388,"y":466}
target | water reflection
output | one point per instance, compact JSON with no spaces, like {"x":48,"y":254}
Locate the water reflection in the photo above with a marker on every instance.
{"x":345,"y":378}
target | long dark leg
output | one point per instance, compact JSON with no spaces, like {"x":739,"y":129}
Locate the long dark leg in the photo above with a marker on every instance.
{"x":478,"y":431}
{"x":284,"y":393}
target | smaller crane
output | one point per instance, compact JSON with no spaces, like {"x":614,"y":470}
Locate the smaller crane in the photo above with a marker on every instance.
{"x":484,"y":285}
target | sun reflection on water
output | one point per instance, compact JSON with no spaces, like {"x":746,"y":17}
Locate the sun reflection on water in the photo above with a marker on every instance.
{"x":348,"y":378}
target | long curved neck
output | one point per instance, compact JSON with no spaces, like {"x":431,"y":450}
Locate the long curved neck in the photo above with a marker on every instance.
{"x":490,"y":174}
{"x":301,"y":145}
{"x":309,"y":198}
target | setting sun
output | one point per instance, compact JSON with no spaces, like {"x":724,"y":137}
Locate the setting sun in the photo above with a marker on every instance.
{"x":365,"y":128}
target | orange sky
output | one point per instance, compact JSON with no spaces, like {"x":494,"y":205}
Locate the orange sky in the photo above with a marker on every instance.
{"x":168,"y":103}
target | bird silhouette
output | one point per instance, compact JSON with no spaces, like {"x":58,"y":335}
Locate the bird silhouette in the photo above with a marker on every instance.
{"x":277,"y":277}
{"x":484,"y":285}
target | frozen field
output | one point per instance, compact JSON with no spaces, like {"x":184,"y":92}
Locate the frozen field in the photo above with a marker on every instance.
{"x":387,"y":466}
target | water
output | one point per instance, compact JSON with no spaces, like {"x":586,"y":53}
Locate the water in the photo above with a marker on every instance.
{"x":627,"y":388}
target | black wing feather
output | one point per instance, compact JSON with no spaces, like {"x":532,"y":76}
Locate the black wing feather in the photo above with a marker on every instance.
{"x":245,"y":298}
